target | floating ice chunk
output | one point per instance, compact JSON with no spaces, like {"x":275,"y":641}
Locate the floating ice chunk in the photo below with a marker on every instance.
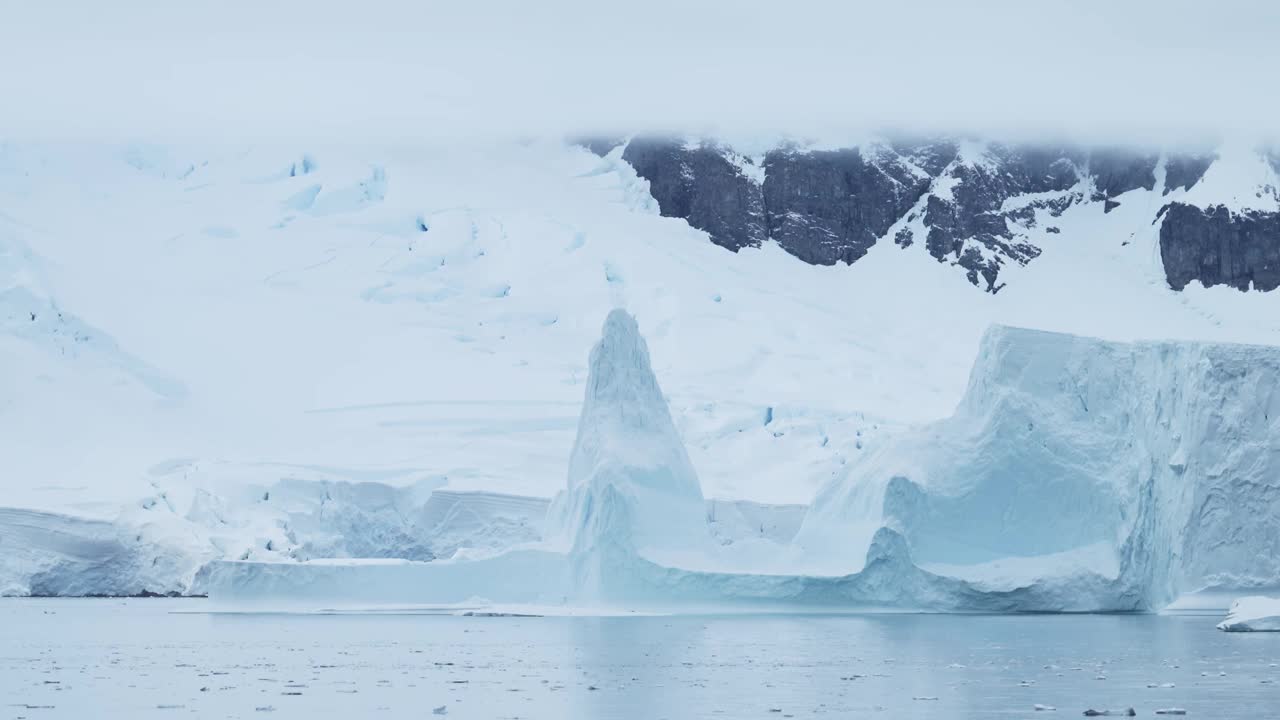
{"x":1253,"y":614}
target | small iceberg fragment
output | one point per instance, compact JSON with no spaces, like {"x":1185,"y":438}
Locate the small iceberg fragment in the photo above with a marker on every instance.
{"x":1127,"y":712}
{"x":1252,"y":614}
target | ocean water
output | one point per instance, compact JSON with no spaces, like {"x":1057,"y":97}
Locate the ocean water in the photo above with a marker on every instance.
{"x":71,"y":658}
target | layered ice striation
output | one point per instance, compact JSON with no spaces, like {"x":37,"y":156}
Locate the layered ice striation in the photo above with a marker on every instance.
{"x":47,"y":553}
{"x":1140,"y":470}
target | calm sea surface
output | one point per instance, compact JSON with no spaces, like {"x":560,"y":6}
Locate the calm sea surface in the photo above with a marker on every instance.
{"x":167,"y":658}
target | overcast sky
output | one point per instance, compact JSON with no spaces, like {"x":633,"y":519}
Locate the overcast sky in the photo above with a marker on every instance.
{"x":397,"y":69}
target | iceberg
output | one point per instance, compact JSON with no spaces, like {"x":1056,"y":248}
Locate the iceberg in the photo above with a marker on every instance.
{"x":1076,"y":475}
{"x":631,"y":489}
{"x":628,"y":451}
{"x":1253,"y":614}
{"x":1140,"y":471}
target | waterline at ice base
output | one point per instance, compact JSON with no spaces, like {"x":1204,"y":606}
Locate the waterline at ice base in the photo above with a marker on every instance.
{"x":1076,"y":475}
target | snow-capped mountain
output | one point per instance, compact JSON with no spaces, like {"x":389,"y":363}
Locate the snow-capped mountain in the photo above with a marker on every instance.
{"x":253,"y":351}
{"x":978,"y":205}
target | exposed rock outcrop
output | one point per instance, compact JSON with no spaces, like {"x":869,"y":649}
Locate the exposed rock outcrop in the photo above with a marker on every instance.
{"x":700,"y":183}
{"x":1220,"y":247}
{"x":968,"y":212}
{"x":1183,"y":171}
{"x":831,"y":206}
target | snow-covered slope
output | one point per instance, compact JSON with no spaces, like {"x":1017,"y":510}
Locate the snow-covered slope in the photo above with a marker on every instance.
{"x":415,"y":317}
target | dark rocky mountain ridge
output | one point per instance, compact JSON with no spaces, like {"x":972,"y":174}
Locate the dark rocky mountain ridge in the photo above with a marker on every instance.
{"x":972,"y":204}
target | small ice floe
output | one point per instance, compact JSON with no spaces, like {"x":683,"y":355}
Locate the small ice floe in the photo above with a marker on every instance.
{"x":1026,"y":683}
{"x":925,"y":697}
{"x":1171,"y":711}
{"x":1252,"y":614}
{"x":1161,"y":685}
{"x":1127,"y":712}
{"x":442,"y":710}
{"x":1043,"y":708}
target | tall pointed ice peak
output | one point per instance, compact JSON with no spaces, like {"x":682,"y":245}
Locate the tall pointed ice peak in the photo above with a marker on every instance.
{"x":630,"y":483}
{"x":620,"y":377}
{"x":623,"y":412}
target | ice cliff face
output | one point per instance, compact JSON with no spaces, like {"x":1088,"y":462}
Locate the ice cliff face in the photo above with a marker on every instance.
{"x":631,"y":487}
{"x":48,"y":553}
{"x":980,"y":206}
{"x":1153,"y":464}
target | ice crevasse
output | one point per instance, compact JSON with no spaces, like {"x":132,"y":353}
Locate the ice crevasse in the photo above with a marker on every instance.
{"x":1075,"y":475}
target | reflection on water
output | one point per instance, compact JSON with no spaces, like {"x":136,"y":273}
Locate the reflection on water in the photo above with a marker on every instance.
{"x":125,"y":659}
